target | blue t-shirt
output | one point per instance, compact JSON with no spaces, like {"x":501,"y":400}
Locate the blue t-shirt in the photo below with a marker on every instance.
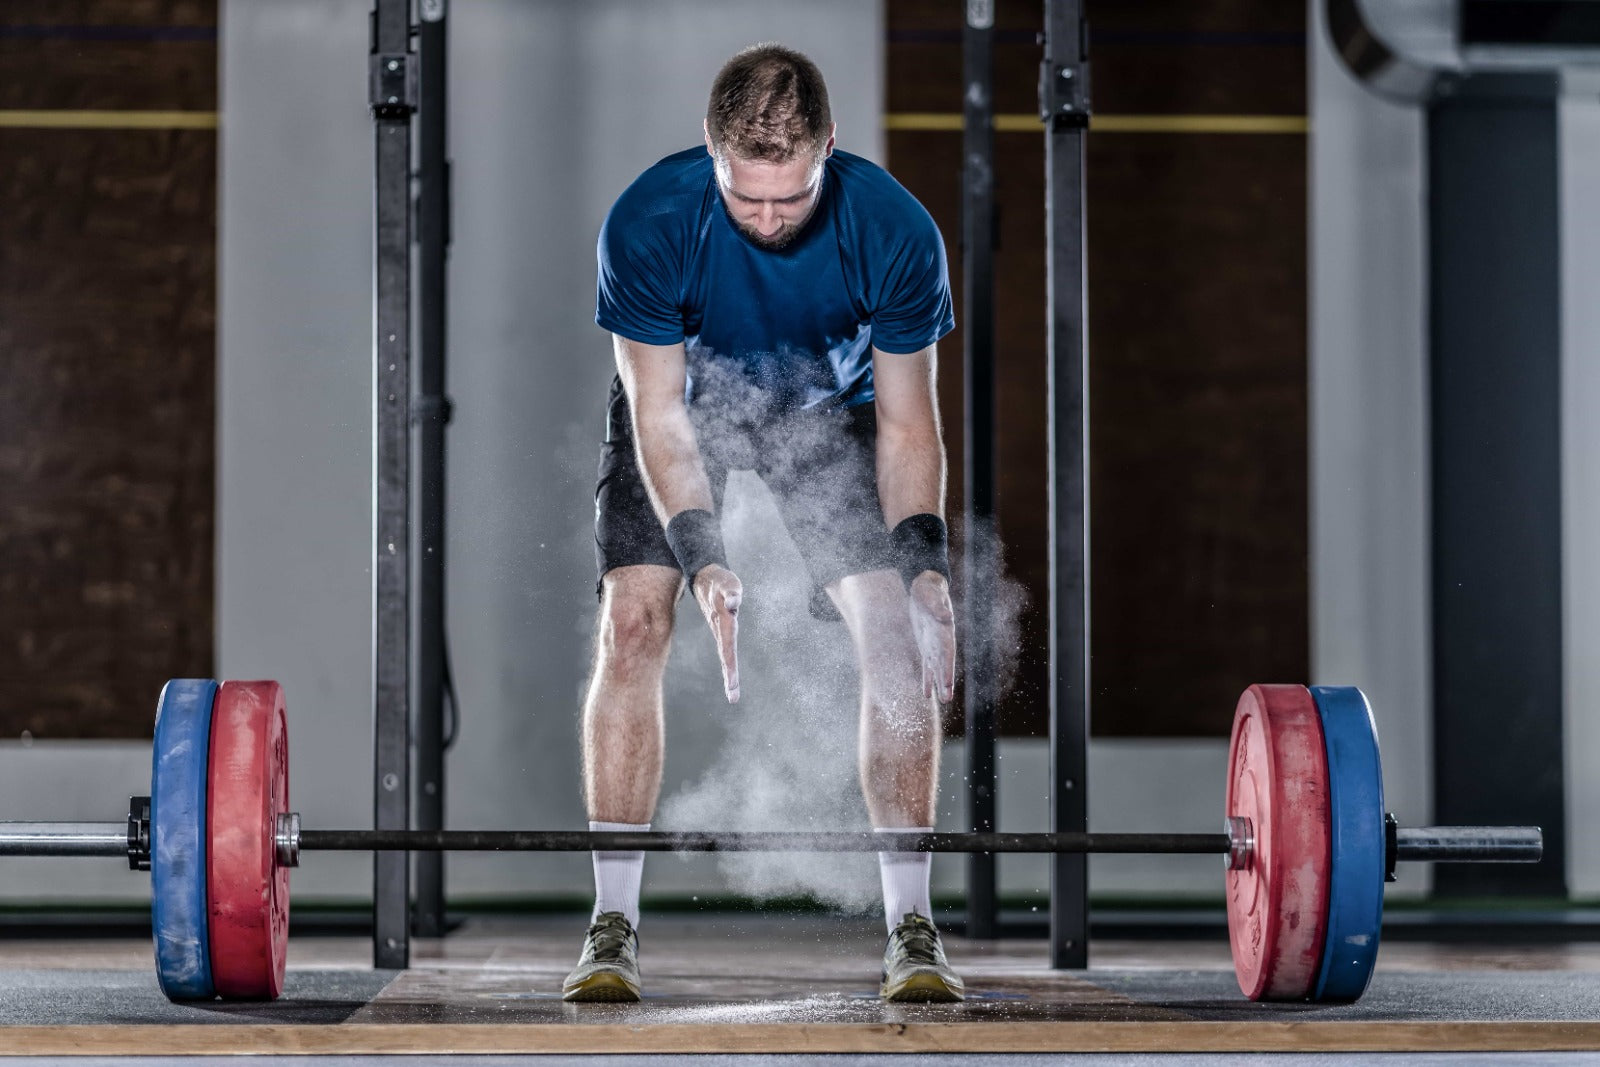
{"x":799,"y":322}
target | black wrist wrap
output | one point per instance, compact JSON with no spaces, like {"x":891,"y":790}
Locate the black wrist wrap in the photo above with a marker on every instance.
{"x":695,"y":537}
{"x":921,"y":543}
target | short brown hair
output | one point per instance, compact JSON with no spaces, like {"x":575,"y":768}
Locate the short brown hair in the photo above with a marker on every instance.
{"x":769,"y":103}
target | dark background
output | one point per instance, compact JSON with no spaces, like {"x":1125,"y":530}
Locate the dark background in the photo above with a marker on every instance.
{"x":107,"y":365}
{"x":1197,"y":341}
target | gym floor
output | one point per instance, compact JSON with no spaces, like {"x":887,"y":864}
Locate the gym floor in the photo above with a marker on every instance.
{"x":781,"y":989}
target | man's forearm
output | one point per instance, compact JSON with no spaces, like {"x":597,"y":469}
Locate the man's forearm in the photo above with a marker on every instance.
{"x":911,"y":472}
{"x":669,"y":459}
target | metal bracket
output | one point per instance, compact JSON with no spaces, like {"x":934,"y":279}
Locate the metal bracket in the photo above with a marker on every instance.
{"x":393,"y":85}
{"x":1391,"y":846}
{"x":1064,"y":93}
{"x":138,"y":833}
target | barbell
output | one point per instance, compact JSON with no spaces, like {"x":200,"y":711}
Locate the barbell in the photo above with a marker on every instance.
{"x":1306,"y":842}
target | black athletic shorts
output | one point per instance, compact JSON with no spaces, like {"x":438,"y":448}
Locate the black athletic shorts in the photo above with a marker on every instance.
{"x":820,"y":468}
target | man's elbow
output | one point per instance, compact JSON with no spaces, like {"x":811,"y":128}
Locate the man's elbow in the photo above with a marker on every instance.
{"x":917,"y":433}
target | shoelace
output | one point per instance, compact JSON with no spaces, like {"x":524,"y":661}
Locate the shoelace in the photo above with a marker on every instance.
{"x":920,"y":944}
{"x":609,"y":941}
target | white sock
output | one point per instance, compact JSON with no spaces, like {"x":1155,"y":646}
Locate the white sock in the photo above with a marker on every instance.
{"x":905,"y":878}
{"x":617,"y":875}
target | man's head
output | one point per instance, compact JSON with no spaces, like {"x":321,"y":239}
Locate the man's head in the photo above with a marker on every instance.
{"x":769,"y":127}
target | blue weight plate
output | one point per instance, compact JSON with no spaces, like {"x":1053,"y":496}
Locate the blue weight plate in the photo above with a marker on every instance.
{"x":1356,"y":852}
{"x":178,"y":776}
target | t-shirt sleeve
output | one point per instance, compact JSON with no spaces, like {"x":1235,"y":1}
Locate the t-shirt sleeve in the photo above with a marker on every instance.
{"x":637,"y":290}
{"x":916,"y":309}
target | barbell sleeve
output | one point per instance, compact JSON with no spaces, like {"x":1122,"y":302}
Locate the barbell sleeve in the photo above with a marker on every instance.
{"x":63,"y":839}
{"x":1470,"y":844}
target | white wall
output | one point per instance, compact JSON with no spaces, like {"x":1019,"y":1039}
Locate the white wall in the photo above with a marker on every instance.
{"x":1580,"y":443}
{"x":1369,"y":431}
{"x":1369,"y":474}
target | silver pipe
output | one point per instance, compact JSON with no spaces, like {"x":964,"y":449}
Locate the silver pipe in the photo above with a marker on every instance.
{"x":1470,"y":844}
{"x":64,"y":839}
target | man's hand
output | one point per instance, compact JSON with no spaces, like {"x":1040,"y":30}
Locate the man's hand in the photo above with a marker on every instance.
{"x":718,"y":592}
{"x":933,"y":623}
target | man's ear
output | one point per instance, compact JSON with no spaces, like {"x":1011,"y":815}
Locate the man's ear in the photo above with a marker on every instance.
{"x":833,"y":137}
{"x":705,"y":128}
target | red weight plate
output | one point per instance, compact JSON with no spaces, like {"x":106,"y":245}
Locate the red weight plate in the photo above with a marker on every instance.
{"x":1278,"y":905}
{"x":247,"y":891}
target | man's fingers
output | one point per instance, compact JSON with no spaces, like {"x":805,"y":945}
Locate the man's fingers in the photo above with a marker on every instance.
{"x":719,"y":594}
{"x":947,"y":664}
{"x":933,"y":624}
{"x":727,"y":630}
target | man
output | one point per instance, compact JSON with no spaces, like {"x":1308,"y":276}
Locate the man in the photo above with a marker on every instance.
{"x":774,"y":305}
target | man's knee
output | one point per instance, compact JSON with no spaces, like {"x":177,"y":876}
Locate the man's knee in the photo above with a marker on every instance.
{"x":636,"y":617}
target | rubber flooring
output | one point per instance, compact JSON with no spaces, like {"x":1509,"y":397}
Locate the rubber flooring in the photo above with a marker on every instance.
{"x":764,"y":986}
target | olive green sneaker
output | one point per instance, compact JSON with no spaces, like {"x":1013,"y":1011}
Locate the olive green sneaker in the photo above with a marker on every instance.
{"x":608,"y":970}
{"x":914,"y":967}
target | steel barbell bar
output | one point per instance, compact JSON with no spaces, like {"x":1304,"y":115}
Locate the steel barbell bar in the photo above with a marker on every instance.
{"x":1456,"y":844}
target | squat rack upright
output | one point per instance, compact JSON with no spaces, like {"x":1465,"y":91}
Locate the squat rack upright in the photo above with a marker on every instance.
{"x":402,"y":82}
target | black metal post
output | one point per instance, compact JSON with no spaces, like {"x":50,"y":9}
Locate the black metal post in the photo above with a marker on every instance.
{"x":979,"y":549}
{"x":430,"y":412}
{"x":393,"y":97}
{"x":1064,"y":107}
{"x":1495,"y":385}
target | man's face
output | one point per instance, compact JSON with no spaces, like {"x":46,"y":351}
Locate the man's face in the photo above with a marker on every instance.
{"x":771,"y":202}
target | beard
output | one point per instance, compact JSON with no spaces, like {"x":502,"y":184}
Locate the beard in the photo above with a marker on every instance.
{"x":780,"y":240}
{"x":783,"y":238}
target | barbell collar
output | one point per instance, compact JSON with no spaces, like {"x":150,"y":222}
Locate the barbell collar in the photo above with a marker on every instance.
{"x":1241,"y":834}
{"x":286,"y":839}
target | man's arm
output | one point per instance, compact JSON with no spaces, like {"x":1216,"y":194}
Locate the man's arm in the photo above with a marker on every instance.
{"x":911,"y":461}
{"x":911,"y":471}
{"x":669,"y":458}
{"x":675,"y":477}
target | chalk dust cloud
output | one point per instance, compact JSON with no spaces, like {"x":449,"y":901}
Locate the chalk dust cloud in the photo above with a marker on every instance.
{"x":788,"y":756}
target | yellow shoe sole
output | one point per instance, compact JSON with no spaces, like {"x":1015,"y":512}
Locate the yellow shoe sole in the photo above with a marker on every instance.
{"x":603,"y":987}
{"x":922,"y":987}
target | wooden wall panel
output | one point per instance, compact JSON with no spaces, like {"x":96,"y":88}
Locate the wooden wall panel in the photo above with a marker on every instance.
{"x":1197,"y":317}
{"x":107,"y":367}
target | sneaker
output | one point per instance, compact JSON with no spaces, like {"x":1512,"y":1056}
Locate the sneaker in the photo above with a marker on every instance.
{"x":608,"y":970}
{"x":914,"y":967}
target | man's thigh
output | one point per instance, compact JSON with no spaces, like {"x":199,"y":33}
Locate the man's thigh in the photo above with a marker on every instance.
{"x":823,"y":477}
{"x":627,"y":530}
{"x":876,"y":611}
